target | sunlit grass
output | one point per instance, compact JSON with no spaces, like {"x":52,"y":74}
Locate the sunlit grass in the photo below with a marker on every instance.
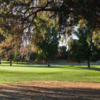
{"x":61,"y":71}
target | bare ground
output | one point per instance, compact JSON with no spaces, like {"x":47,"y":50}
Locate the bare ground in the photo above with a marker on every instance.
{"x":50,"y":90}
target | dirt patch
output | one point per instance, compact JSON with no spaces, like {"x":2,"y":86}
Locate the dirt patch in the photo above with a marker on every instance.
{"x":50,"y":90}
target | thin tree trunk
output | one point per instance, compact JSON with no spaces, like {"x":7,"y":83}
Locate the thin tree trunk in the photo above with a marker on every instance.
{"x":88,"y":63}
{"x":0,"y":60}
{"x":48,"y":64}
{"x":10,"y":62}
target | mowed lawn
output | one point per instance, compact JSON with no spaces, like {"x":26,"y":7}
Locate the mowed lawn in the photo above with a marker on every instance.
{"x":60,"y":71}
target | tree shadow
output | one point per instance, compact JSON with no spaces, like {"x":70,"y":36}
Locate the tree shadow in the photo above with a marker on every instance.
{"x":33,"y":66}
{"x":19,"y":92}
{"x":55,"y":65}
{"x":92,"y":68}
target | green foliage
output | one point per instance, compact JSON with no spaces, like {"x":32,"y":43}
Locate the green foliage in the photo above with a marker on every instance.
{"x":81,"y":49}
{"x":75,"y":53}
{"x":33,"y":56}
{"x":96,"y":38}
{"x":95,"y":53}
{"x":17,"y":56}
{"x":68,"y":12}
{"x":63,"y":54}
{"x":62,"y":49}
{"x":2,"y":38}
{"x":45,"y":37}
{"x":48,"y":48}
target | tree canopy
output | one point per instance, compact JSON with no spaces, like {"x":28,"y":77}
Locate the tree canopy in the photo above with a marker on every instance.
{"x":81,"y":49}
{"x":20,"y":18}
{"x":68,"y":12}
{"x":45,"y":37}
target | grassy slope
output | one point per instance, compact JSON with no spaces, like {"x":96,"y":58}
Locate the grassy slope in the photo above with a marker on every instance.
{"x":60,"y":71}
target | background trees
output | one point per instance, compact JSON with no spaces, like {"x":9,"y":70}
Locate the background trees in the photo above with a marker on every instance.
{"x":81,"y":49}
{"x":63,"y":53}
{"x":75,"y":52}
{"x":2,"y":38}
{"x":24,"y":53}
{"x":23,"y":17}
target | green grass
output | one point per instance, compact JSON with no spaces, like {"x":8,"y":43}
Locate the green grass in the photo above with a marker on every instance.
{"x":61,"y":71}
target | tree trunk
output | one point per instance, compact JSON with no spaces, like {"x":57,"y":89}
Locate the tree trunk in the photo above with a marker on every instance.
{"x":10,"y":62}
{"x":48,"y":64}
{"x":0,"y":60}
{"x":88,"y":63}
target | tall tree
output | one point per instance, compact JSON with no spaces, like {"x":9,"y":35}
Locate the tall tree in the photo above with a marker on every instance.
{"x":75,"y":52}
{"x":48,"y":47}
{"x":45,"y":37}
{"x":2,"y":38}
{"x":7,"y":48}
{"x":62,"y":52}
{"x":82,"y":50}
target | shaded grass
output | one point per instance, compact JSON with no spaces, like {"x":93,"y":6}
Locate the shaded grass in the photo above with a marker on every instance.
{"x":61,"y":71}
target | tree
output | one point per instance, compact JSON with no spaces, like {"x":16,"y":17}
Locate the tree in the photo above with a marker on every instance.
{"x":69,"y":12}
{"x":96,"y":38}
{"x":7,"y":48}
{"x":11,"y":36}
{"x":2,"y":38}
{"x":82,"y":50}
{"x":62,"y":52}
{"x":33,"y":55}
{"x":17,"y":56}
{"x":75,"y":52}
{"x":95,"y":53}
{"x":48,"y":48}
{"x":24,"y":53}
{"x":45,"y":38}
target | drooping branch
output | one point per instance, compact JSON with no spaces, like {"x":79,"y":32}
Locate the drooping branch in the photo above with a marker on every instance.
{"x":69,"y":12}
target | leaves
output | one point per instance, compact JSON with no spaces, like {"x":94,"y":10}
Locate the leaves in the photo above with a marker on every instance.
{"x":45,"y":37}
{"x":81,"y":49}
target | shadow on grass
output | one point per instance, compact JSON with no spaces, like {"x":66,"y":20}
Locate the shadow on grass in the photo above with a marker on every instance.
{"x":20,"y":92}
{"x":33,"y":66}
{"x":82,"y":67}
{"x":92,"y":68}
{"x":83,"y":63}
{"x":62,"y":64}
{"x":7,"y":62}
